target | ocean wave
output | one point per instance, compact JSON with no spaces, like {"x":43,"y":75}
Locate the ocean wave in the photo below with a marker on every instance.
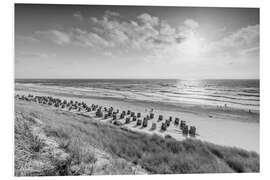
{"x":251,"y":91}
{"x":249,"y":95}
{"x":217,"y":100}
{"x":211,"y":95}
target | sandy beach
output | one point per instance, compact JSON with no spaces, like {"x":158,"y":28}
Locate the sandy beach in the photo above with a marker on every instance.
{"x":234,"y":127}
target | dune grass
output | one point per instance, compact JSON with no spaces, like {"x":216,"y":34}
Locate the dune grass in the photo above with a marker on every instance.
{"x":26,"y":146}
{"x":157,"y":155}
{"x":35,"y":155}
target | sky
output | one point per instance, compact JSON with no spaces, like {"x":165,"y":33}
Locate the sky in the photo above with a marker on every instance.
{"x":84,"y":41}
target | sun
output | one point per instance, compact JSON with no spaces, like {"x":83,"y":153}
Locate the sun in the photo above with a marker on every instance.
{"x":193,"y":46}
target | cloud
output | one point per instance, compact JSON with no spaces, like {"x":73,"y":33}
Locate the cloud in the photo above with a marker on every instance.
{"x":74,"y":36}
{"x":238,"y":43}
{"x":145,"y":33}
{"x":245,"y":37}
{"x":59,"y":37}
{"x":109,"y":13}
{"x":190,"y":23}
{"x":78,"y":16}
{"x":155,"y":38}
{"x":26,"y":39}
{"x":94,"y":19}
{"x":148,"y":19}
{"x":251,"y":51}
{"x":85,"y":38}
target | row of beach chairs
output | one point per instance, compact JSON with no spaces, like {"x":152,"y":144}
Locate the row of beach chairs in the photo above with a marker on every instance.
{"x":105,"y":113}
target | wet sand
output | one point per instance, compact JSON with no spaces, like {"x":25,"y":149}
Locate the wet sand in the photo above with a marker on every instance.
{"x":234,"y":127}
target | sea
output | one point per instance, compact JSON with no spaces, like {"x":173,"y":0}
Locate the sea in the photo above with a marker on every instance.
{"x":222,"y":93}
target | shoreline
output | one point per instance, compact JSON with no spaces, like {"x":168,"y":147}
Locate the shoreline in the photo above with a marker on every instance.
{"x":219,"y":129}
{"x":181,"y":106}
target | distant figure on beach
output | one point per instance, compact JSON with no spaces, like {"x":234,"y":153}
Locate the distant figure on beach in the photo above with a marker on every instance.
{"x":219,"y":107}
{"x":151,"y":110}
{"x":225,"y":107}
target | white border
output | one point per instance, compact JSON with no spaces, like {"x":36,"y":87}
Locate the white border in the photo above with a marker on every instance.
{"x":7,"y":79}
{"x":202,"y":3}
